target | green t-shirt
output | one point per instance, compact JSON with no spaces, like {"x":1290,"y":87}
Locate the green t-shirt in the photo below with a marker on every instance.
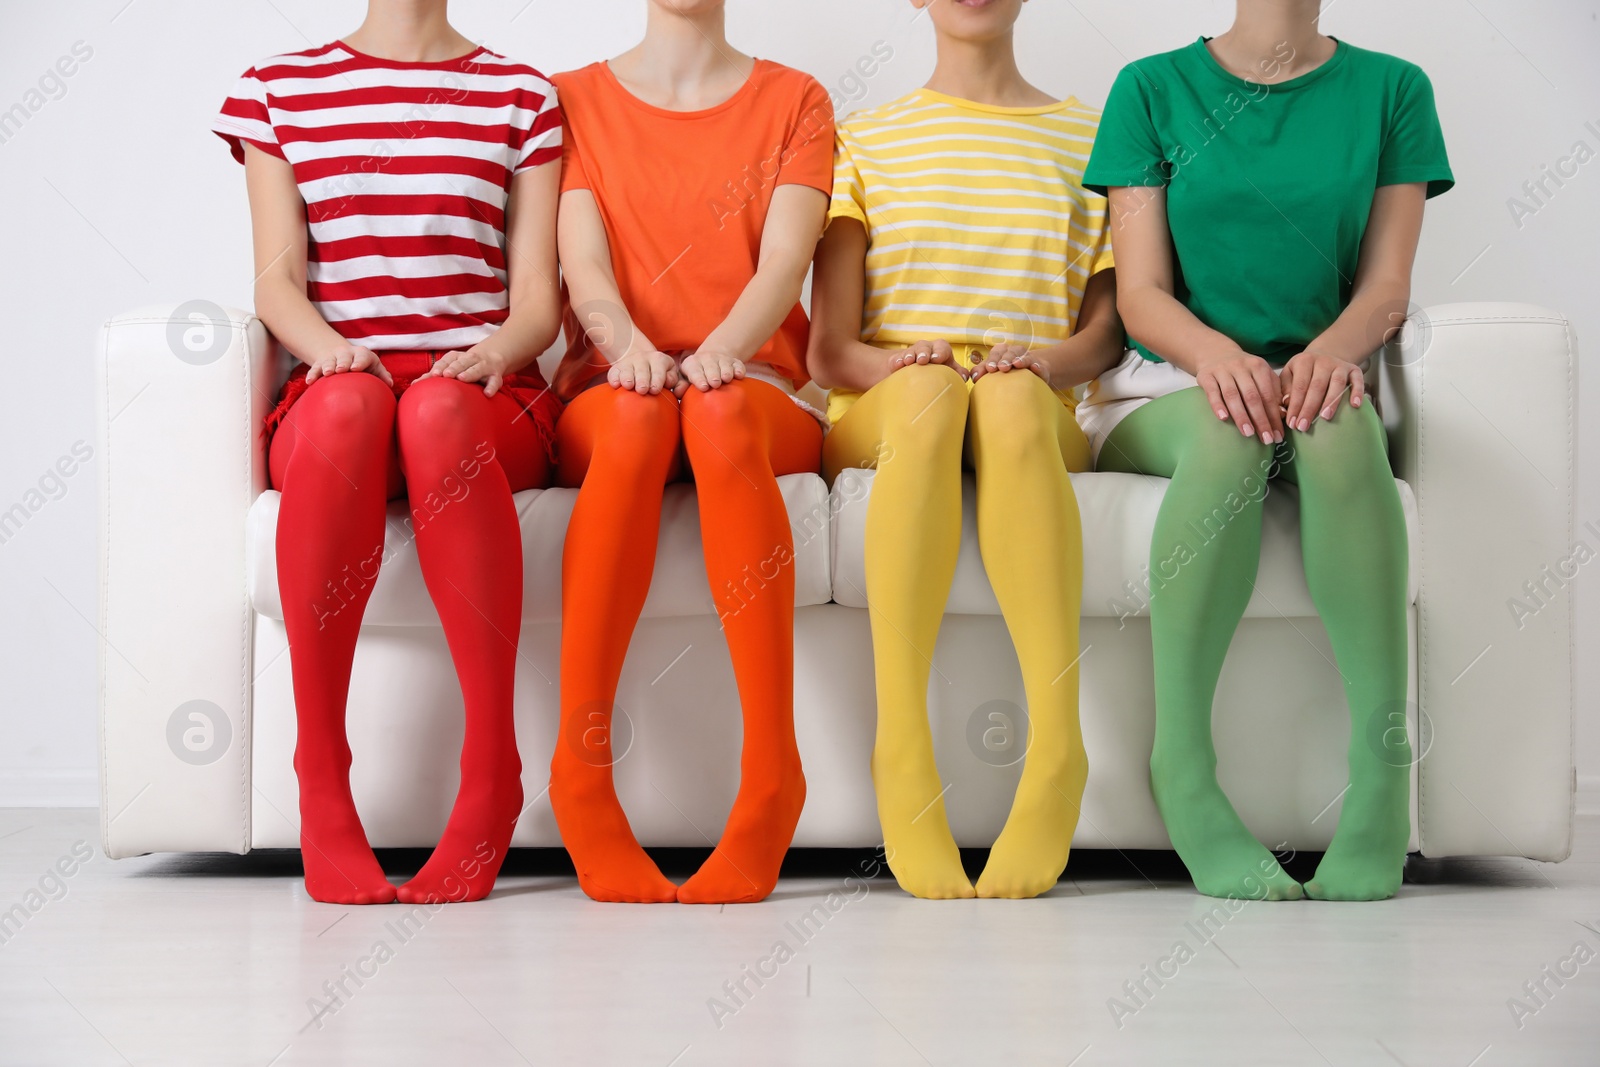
{"x":1268,"y":186}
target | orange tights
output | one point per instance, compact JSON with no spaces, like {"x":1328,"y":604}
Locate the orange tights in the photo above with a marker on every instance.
{"x":623,"y":448}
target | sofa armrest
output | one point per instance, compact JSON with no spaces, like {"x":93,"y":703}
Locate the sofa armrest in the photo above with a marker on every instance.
{"x":1480,"y":403}
{"x":182,"y":391}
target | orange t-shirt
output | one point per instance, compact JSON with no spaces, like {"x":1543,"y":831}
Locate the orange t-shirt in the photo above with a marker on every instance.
{"x":684,"y":196}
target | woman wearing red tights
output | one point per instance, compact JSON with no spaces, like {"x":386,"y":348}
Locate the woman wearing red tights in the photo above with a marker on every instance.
{"x":694,"y":189}
{"x":403,"y":209}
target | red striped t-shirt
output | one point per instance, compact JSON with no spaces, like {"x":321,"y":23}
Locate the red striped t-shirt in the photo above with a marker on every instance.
{"x":405,"y":169}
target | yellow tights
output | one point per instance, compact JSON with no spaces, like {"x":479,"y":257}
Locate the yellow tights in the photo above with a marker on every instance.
{"x":916,"y":426}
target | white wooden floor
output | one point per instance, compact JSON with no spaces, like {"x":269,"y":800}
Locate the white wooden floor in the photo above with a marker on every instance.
{"x":219,"y":961}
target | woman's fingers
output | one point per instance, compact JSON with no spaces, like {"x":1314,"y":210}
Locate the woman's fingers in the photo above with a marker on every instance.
{"x":1237,"y":408}
{"x":1358,"y":386}
{"x":1294,"y":383}
{"x":1270,"y":402}
{"x":1247,"y":397}
{"x":1316,"y":390}
{"x":1213,"y":391}
{"x":491,"y":384}
{"x":382,"y":372}
{"x":1334,"y":391}
{"x":690,"y":368}
{"x":658,"y":376}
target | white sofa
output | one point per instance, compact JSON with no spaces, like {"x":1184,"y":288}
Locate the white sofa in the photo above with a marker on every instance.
{"x":197,"y":717}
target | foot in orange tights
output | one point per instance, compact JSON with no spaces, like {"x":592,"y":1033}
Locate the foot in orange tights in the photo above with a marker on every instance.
{"x":611,"y":865}
{"x":744,"y":867}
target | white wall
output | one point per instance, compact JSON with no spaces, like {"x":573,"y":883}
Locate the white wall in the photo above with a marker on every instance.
{"x":116,"y":195}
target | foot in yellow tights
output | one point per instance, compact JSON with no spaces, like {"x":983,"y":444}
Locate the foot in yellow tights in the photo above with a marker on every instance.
{"x":1031,"y":851}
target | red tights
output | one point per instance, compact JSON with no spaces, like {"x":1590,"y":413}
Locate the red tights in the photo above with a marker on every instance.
{"x":343,"y":449}
{"x":623,"y":448}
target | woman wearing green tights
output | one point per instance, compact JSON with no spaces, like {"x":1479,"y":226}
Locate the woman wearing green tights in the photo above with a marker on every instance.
{"x":1266,"y":191}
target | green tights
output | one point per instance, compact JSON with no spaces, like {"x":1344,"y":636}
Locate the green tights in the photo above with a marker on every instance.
{"x":1203,"y":560}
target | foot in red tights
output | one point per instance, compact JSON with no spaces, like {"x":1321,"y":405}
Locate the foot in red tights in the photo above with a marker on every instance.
{"x":464,"y":454}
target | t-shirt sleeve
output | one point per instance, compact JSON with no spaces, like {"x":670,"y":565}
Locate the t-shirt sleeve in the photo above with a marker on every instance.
{"x":539,"y":127}
{"x":849,"y":194}
{"x":573,"y":176}
{"x":1127,"y":150}
{"x":1103,"y":259}
{"x":1413,"y":149}
{"x":244,"y":120}
{"x":807,"y":157}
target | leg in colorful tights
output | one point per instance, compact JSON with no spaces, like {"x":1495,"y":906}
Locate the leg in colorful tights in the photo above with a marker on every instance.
{"x":1199,"y":591}
{"x":463,"y":455}
{"x":622,"y":449}
{"x":333,"y":460}
{"x":910,"y":426}
{"x":739,"y":437}
{"x":1022,"y":441}
{"x":1353,"y":538}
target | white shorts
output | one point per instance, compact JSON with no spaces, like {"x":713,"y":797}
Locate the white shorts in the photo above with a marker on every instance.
{"x":763,"y":372}
{"x":1122,"y":390}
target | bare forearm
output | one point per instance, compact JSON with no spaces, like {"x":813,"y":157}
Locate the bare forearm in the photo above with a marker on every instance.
{"x":529,"y":329}
{"x":293,"y":320}
{"x":1162,"y":324}
{"x":1374,"y":312}
{"x":848,"y":363}
{"x":1097,"y":342}
{"x":597,"y":304}
{"x":765,"y":302}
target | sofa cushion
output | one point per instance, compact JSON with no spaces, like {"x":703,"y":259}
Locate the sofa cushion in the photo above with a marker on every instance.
{"x":1119,"y":514}
{"x":679,"y":586}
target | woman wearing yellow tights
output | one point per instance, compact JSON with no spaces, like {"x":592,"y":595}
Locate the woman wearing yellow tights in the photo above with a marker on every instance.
{"x":962,"y":287}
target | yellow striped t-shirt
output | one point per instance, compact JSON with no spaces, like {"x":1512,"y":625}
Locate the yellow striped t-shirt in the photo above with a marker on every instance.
{"x":979,"y":229}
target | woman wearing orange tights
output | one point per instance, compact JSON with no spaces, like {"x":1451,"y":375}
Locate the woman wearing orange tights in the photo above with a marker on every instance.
{"x":695,"y":184}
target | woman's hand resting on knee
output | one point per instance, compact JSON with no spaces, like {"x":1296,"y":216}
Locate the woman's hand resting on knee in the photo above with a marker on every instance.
{"x":708,"y":369}
{"x":1314,"y":385}
{"x":345,"y":358}
{"x":476,"y":364}
{"x":1009,"y":357}
{"x":922,"y":353}
{"x":646,"y":373}
{"x":1244,"y":388}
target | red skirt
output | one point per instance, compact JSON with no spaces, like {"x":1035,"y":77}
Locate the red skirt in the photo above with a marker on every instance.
{"x":538,"y":403}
